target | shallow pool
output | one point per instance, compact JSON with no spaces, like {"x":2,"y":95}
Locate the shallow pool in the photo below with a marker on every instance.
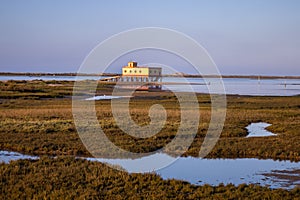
{"x":275,"y":174}
{"x":259,"y":130}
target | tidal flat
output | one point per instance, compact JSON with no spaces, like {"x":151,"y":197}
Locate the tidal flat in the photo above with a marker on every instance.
{"x":36,"y":119}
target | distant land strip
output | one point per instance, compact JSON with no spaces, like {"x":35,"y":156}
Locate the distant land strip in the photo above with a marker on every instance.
{"x":54,"y":74}
{"x":167,"y":75}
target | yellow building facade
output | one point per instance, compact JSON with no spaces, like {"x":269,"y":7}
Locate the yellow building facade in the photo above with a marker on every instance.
{"x":151,"y":76}
{"x":132,"y":69}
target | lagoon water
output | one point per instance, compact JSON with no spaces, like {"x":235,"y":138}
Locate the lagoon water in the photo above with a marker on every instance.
{"x":208,"y":171}
{"x":239,"y":86}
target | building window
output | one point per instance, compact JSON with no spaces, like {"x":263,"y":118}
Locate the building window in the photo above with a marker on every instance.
{"x":130,"y":71}
{"x":140,"y":71}
{"x":125,"y":71}
{"x":134,"y":71}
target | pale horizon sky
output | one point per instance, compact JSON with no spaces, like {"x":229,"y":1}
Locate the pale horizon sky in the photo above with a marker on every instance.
{"x":250,"y":37}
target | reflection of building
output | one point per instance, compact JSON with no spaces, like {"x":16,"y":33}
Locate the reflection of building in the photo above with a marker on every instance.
{"x":149,"y":75}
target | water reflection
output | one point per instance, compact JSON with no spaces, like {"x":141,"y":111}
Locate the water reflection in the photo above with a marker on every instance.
{"x":235,"y":171}
{"x":275,"y":174}
{"x":216,"y":171}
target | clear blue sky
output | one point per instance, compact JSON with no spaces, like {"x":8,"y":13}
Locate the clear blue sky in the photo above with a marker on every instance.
{"x":242,"y":36}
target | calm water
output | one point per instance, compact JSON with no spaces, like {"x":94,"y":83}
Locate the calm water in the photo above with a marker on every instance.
{"x":243,"y":86}
{"x":209,"y":171}
{"x":235,"y":171}
{"x":240,"y":86}
{"x":259,"y":130}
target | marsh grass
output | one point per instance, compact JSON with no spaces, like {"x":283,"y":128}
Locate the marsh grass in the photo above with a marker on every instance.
{"x":45,"y":126}
{"x":69,"y":178}
{"x":36,"y":118}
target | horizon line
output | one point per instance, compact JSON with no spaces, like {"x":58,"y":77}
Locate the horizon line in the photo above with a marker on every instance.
{"x":170,"y":75}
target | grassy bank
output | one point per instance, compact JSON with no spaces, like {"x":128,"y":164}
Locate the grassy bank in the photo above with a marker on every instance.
{"x":36,"y":118}
{"x":67,"y":178}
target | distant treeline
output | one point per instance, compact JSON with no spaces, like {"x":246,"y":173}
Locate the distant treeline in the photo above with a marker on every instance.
{"x":166,"y":75}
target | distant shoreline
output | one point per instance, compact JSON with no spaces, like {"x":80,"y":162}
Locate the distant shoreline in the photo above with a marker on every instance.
{"x":53,"y":74}
{"x":170,"y":75}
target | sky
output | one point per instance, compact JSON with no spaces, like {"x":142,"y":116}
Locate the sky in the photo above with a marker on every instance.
{"x":249,"y":37}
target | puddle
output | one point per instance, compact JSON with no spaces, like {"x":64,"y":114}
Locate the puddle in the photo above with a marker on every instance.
{"x":236,"y":171}
{"x":259,"y":130}
{"x":7,"y":156}
{"x":143,"y":164}
{"x":104,"y":97}
{"x":274,"y":174}
{"x":215,"y":171}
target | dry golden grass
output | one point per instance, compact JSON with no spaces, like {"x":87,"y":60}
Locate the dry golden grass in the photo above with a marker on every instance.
{"x":45,"y":126}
